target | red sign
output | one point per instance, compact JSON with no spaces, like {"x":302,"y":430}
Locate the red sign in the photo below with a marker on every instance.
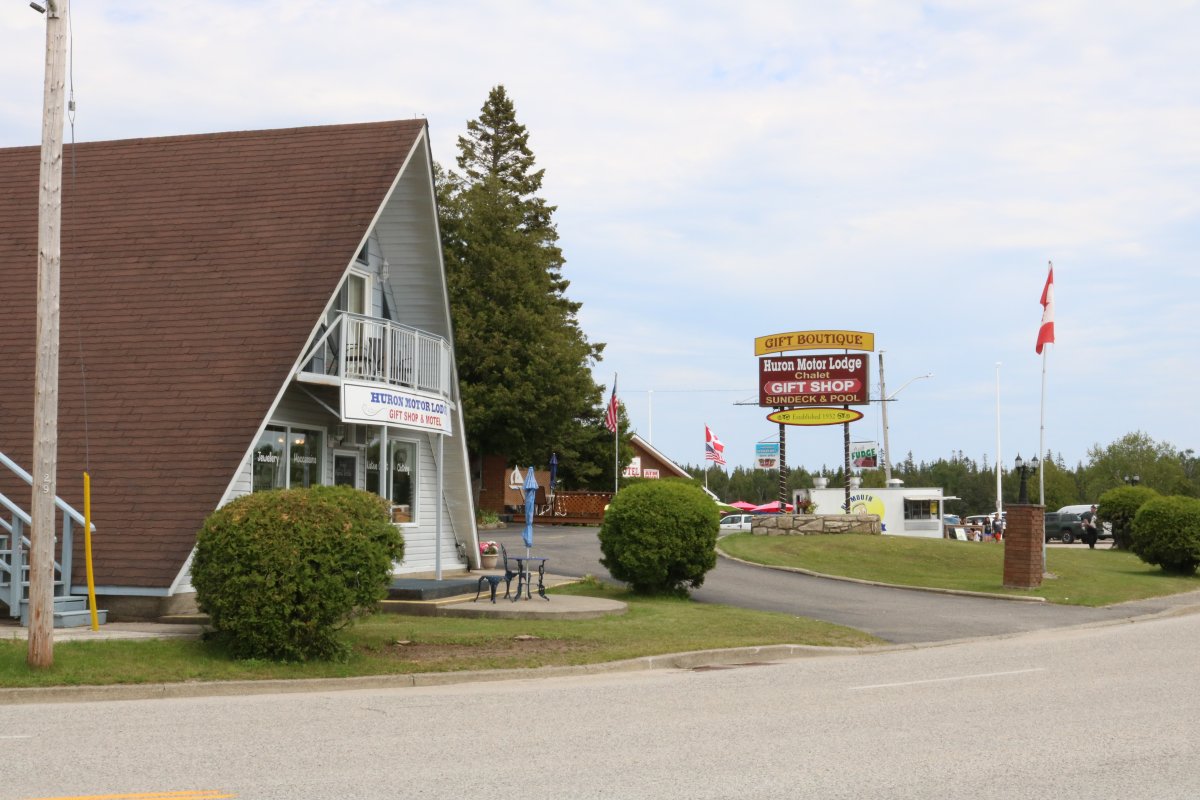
{"x":813,"y":380}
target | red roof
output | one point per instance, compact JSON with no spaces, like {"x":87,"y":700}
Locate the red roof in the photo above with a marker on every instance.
{"x":194,"y":268}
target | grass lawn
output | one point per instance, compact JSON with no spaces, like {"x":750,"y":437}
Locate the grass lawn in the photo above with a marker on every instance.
{"x":1082,"y":576}
{"x":397,"y":644}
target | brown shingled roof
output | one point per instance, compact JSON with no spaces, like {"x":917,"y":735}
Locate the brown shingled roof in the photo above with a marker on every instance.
{"x":194,"y":268}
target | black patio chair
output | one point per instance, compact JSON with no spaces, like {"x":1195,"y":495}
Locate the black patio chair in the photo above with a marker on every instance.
{"x":494,"y":580}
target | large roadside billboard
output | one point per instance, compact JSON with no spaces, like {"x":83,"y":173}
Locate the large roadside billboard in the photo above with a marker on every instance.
{"x":813,"y":380}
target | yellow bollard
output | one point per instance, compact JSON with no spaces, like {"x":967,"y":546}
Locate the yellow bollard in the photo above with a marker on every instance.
{"x":87,"y":548}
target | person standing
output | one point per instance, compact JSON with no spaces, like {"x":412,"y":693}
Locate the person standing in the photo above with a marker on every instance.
{"x":1090,"y":531}
{"x":998,"y":527}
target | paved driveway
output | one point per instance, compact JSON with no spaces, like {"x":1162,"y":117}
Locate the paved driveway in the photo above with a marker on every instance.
{"x":897,"y":615}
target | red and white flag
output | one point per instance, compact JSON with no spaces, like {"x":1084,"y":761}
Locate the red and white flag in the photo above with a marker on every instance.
{"x":713,"y":449}
{"x":1046,"y":332}
{"x":610,"y":419}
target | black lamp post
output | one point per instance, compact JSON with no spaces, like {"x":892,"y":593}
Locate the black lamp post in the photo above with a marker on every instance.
{"x":1024,"y":469}
{"x":1133,"y":480}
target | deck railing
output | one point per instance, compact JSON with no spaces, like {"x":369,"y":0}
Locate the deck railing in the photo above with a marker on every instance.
{"x":355,"y":347}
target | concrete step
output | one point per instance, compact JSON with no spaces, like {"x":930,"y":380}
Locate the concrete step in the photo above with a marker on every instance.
{"x":69,"y":612}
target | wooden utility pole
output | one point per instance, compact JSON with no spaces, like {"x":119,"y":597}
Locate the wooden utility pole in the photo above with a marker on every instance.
{"x":45,"y":392}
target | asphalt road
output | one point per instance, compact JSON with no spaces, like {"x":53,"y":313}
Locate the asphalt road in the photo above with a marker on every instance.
{"x":1080,"y":714}
{"x":896,"y":615}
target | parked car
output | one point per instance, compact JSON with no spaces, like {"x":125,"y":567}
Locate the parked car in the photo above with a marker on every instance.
{"x":1066,"y":525}
{"x":951,"y":519}
{"x":735,"y":522}
{"x":977,"y":519}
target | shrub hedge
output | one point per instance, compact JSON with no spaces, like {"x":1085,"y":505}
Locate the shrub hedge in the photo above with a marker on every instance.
{"x":660,"y":536}
{"x":279,"y":573}
{"x":1166,"y":532}
{"x":1118,"y":507}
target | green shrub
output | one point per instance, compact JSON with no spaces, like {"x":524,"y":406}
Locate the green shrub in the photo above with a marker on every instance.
{"x":279,"y":573}
{"x":1118,"y":507}
{"x":660,"y":537}
{"x":1166,"y":532}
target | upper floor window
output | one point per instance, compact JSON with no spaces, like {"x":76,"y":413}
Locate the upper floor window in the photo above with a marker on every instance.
{"x":355,"y":294}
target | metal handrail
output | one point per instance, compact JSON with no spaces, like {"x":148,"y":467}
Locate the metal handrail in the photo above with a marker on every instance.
{"x":19,"y":543}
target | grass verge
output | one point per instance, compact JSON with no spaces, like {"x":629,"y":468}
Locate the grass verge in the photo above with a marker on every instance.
{"x":386,"y":644}
{"x":1081,"y":576}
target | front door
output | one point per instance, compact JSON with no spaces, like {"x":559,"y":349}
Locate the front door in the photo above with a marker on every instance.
{"x":345,"y":469}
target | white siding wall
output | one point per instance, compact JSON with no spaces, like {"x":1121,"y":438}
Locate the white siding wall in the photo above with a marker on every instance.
{"x":297,"y":408}
{"x":408,"y":237}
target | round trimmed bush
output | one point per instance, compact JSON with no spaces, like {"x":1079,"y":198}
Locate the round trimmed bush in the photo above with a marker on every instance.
{"x":279,"y":573}
{"x":1166,"y":532}
{"x":660,"y":537}
{"x":1118,"y":507}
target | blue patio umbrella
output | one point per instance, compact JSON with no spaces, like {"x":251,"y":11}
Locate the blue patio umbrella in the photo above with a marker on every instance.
{"x":553,"y":471}
{"x":531,"y":488}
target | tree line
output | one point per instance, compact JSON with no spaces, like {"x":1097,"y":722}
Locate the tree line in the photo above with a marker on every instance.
{"x":1135,"y":458}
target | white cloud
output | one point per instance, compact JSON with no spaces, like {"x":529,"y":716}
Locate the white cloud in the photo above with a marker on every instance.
{"x":723,"y":172}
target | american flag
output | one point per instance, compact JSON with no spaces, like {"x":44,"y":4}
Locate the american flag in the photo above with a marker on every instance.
{"x":713,"y":449}
{"x":610,"y":419}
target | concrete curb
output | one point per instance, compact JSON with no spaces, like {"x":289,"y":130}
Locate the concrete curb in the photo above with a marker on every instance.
{"x":933,"y":589}
{"x":163,"y":691}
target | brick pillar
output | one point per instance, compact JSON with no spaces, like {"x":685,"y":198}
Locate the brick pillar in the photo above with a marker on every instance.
{"x":1024,"y":536}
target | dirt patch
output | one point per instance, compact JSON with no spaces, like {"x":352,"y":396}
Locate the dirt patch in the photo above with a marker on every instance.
{"x":494,"y":650}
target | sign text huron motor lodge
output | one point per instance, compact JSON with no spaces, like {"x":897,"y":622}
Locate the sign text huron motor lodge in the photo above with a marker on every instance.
{"x":813,"y":380}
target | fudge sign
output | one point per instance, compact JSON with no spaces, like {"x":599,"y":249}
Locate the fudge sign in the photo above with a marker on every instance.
{"x":813,"y":380}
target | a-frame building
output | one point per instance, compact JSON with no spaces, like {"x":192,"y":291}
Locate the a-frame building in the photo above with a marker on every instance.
{"x":240,"y":312}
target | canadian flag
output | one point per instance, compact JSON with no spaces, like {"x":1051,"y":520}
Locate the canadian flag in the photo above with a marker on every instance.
{"x":713,"y":449}
{"x":1046,"y":332}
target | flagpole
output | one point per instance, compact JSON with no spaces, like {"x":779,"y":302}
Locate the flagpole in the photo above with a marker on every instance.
{"x":616,"y":442}
{"x":1047,"y":299}
{"x":1042,"y":438}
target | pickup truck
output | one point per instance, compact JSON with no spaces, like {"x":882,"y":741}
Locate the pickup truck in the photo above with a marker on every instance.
{"x":1066,"y":525}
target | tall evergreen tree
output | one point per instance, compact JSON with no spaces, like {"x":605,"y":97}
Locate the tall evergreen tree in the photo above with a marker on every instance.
{"x":524,"y":362}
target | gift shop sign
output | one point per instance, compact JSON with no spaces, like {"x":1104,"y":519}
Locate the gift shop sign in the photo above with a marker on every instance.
{"x":373,"y":405}
{"x":812,"y":380}
{"x":814,"y":340}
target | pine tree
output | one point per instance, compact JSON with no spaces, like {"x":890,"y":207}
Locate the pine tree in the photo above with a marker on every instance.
{"x":524,"y":362}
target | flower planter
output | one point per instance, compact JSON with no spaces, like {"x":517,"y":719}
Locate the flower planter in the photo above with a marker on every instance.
{"x":488,"y":561}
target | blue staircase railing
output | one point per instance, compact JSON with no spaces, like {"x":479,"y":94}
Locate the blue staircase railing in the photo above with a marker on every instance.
{"x":14,"y":547}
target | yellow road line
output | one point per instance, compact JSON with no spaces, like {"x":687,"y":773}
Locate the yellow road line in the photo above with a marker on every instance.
{"x":199,"y":794}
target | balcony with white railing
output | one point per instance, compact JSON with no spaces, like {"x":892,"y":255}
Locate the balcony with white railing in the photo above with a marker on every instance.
{"x":358,"y":348}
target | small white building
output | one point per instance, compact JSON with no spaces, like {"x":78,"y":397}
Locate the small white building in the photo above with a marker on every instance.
{"x":903,"y":511}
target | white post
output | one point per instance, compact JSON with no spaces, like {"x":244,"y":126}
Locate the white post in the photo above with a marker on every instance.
{"x":999,"y":457}
{"x":437,"y":528}
{"x":887,"y":450}
{"x":45,"y":390}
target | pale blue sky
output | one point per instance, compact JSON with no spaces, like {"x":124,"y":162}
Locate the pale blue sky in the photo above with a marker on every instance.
{"x":726,"y":171}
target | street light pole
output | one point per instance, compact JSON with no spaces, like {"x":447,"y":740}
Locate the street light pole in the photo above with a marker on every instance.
{"x":884,"y":399}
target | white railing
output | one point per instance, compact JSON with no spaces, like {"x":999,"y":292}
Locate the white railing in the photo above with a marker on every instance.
{"x":355,"y":347}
